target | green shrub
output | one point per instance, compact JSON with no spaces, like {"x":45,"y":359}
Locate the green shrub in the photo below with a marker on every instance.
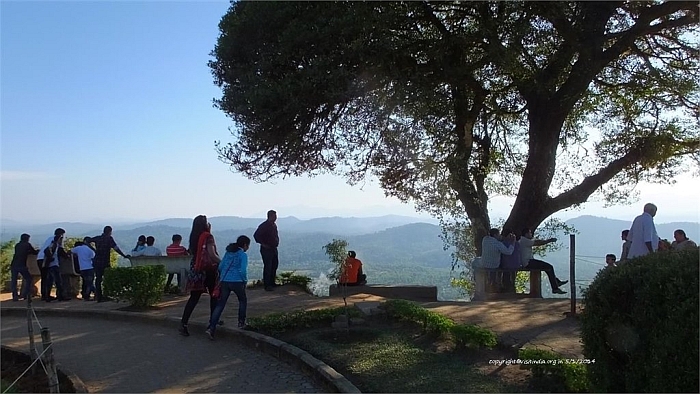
{"x":7,"y":251}
{"x":283,"y":321}
{"x":554,"y":373}
{"x":299,"y":280}
{"x":473,"y":336}
{"x":141,"y":286}
{"x":640,"y":324}
{"x":463,"y":334}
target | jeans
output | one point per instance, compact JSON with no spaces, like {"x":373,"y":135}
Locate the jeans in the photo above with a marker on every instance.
{"x":535,"y":264}
{"x":270,"y":264}
{"x":99,"y":273}
{"x":170,"y":280}
{"x":44,"y":280}
{"x":226,"y":289}
{"x":54,"y":277}
{"x":26,"y":282}
{"x":88,"y":283}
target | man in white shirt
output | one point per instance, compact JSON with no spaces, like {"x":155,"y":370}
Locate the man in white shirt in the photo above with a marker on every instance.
{"x":49,"y":266}
{"x":491,"y":250}
{"x":643,"y":234}
{"x":526,"y":243}
{"x":149,"y":250}
{"x":85,"y":255}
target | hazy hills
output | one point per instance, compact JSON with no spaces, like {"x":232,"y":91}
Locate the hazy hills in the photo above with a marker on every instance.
{"x":397,"y":249}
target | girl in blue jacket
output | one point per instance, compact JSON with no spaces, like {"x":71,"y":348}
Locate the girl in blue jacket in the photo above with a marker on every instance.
{"x":233,"y":274}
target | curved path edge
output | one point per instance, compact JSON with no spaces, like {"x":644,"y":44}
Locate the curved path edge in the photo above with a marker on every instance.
{"x":290,"y":354}
{"x":74,"y":379}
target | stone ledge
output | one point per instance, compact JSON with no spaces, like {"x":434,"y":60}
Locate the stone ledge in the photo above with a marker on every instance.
{"x":404,"y":292}
{"x":317,"y":369}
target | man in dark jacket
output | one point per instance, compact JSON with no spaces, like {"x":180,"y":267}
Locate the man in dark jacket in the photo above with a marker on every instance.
{"x":266,"y":235}
{"x":103,"y":246}
{"x":19,"y":267}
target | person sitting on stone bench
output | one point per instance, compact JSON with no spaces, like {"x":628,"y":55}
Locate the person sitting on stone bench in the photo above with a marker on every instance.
{"x":509,"y":262}
{"x":352,"y":272}
{"x":526,"y":243}
{"x":149,"y":250}
{"x":492,"y":247}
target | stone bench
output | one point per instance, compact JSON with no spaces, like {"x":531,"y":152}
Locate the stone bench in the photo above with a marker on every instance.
{"x":405,"y":292}
{"x":173,"y":265}
{"x":70,"y":278}
{"x":482,"y":293}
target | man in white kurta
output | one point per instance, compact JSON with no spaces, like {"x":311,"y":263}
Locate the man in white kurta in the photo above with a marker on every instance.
{"x":643,"y":234}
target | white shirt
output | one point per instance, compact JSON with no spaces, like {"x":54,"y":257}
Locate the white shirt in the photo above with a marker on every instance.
{"x":491,"y":250}
{"x":148,"y":251}
{"x":526,"y":245}
{"x":46,"y":244}
{"x":85,"y":256}
{"x":642,"y":231}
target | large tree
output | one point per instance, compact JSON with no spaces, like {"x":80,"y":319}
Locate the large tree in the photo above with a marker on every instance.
{"x":449,"y":103}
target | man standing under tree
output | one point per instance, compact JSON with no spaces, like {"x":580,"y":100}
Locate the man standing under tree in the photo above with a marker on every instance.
{"x":266,"y":235}
{"x":642,"y":235}
{"x":103,"y":245}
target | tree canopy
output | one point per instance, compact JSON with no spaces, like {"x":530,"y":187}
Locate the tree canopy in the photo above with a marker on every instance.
{"x":450,"y":103}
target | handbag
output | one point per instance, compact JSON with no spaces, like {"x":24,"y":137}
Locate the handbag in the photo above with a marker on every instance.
{"x":216,"y":293}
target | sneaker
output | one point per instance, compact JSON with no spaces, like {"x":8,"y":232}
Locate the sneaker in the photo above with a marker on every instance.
{"x":242,"y":325}
{"x":183,"y":330}
{"x":221,"y":322}
{"x":209,"y":334}
{"x":558,"y":291}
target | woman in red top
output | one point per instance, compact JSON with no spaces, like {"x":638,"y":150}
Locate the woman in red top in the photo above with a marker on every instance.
{"x":200,"y":281}
{"x":352,"y":272}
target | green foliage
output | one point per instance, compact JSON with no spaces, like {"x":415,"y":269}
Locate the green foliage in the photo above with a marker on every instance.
{"x":337,"y":254}
{"x":640,"y":323}
{"x":283,"y":321}
{"x":554,"y":373}
{"x":463,"y":334}
{"x":141,"y":286}
{"x":7,"y":251}
{"x":299,"y":280}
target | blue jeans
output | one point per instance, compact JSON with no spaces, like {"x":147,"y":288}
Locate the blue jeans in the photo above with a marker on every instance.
{"x":88,"y":282}
{"x":26,"y":282}
{"x":226,"y":289}
{"x":54,"y":277}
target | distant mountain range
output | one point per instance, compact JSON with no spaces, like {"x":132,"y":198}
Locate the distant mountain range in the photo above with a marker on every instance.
{"x":385,"y":243}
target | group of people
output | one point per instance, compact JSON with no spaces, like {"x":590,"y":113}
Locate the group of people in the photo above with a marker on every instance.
{"x":91,"y":256}
{"x":642,"y":239}
{"x":510,"y":251}
{"x":220,"y":276}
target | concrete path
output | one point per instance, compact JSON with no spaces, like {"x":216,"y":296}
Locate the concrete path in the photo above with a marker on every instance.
{"x":136,"y":358}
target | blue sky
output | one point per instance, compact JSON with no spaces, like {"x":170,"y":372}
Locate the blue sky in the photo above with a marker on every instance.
{"x":106,"y":114}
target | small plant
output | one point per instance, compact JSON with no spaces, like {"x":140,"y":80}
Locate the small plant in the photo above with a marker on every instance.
{"x":462,"y":334}
{"x":279,"y":322}
{"x":141,"y":286}
{"x":299,"y":280}
{"x":554,"y":373}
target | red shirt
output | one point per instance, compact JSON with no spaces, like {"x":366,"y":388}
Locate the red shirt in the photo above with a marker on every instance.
{"x":352,"y":268}
{"x":176,"y":250}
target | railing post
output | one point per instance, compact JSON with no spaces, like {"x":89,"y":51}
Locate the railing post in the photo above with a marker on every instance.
{"x":572,"y":272}
{"x":49,"y":360}
{"x":30,"y":330}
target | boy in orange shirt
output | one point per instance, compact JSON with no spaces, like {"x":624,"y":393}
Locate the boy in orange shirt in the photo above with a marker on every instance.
{"x":352,"y":273}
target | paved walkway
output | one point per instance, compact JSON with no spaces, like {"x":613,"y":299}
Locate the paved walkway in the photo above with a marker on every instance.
{"x":137,"y":358}
{"x":525,"y":322}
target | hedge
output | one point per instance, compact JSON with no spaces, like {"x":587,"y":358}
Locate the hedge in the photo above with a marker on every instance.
{"x":142,"y":286}
{"x":640,"y":324}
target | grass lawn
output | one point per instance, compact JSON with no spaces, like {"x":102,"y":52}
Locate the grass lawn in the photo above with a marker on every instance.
{"x":386,"y":356}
